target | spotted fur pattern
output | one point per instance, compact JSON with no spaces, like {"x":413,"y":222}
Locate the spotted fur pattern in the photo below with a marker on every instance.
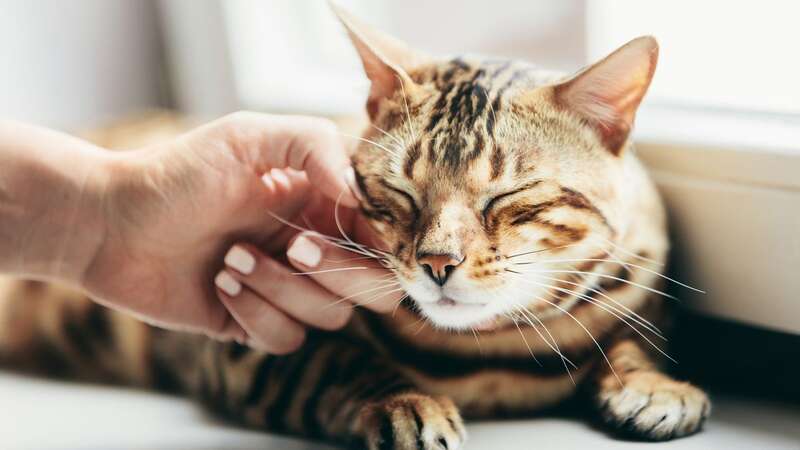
{"x":558,"y":238}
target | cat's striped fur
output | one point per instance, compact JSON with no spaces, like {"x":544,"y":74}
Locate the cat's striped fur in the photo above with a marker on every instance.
{"x":541,"y":199}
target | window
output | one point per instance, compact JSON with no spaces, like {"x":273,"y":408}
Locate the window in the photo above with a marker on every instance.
{"x":295,"y":56}
{"x":725,"y":55}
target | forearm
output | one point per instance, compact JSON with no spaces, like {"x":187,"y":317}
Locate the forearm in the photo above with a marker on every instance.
{"x":51,"y":196}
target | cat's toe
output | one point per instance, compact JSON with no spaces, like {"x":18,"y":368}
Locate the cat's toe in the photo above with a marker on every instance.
{"x":412,"y":421}
{"x":654,"y":406}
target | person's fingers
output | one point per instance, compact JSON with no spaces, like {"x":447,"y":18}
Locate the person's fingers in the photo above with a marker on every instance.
{"x":267,"y":328}
{"x":302,"y":143}
{"x":297,"y":296}
{"x":352,"y":276}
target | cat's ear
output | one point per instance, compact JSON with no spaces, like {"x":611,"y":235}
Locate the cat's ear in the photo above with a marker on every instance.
{"x":386,"y":60}
{"x":607,"y":94}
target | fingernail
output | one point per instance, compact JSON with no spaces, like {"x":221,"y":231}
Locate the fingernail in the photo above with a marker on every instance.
{"x":240,"y":259}
{"x":350,"y":179}
{"x":228,"y":284}
{"x":279,"y":176}
{"x":305,"y":251}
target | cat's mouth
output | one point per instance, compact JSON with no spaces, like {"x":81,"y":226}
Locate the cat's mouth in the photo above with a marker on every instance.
{"x":453,"y":313}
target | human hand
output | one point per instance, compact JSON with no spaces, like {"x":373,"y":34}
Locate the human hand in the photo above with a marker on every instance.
{"x":173,"y":210}
{"x":326,"y":283}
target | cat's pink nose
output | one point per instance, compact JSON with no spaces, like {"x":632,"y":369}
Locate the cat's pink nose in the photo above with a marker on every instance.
{"x":439,"y":267}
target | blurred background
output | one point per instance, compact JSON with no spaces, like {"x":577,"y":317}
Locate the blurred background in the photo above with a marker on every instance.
{"x":719,"y":130}
{"x":86,"y":62}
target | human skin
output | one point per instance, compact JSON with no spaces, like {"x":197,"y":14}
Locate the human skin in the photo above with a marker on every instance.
{"x":147,"y":231}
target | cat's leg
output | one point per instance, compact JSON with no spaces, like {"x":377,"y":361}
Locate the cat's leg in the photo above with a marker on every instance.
{"x":331,"y":389}
{"x":638,"y":399}
{"x":57,"y":331}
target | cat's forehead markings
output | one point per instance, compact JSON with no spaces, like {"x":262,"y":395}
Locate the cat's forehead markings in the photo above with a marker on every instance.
{"x":463,"y":114}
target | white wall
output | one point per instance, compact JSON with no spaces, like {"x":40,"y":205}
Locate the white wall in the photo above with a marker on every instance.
{"x":73,"y":64}
{"x":293,"y":56}
{"x":197,"y":51}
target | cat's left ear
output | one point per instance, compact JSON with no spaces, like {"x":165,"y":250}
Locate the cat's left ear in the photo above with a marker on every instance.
{"x":386,"y":60}
{"x":607,"y":94}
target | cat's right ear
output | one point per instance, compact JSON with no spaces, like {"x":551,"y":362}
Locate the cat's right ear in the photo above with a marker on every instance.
{"x":385,"y":59}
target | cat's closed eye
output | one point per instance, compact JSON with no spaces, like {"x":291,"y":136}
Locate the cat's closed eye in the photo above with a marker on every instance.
{"x":403,"y":199}
{"x":493,"y":202}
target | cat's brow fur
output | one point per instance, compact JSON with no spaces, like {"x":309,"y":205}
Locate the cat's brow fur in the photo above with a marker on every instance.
{"x":468,"y":156}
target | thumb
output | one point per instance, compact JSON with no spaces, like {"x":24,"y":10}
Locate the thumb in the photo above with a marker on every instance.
{"x":309,"y":144}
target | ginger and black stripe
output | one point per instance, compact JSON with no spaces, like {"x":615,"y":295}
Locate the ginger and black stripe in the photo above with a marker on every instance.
{"x":316,"y":391}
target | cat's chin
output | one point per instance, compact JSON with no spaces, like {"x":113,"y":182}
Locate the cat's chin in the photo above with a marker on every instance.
{"x":456,"y":315}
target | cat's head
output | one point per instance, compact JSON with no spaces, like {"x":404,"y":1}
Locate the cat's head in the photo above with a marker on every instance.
{"x":474,"y":171}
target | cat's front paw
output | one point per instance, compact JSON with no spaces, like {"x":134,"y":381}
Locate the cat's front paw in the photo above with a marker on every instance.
{"x":653,"y":406}
{"x":412,"y":421}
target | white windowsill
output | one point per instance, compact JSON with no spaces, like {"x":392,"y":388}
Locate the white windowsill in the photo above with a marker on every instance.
{"x":731,"y":183}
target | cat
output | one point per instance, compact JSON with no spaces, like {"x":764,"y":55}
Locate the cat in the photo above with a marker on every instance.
{"x":515,"y":215}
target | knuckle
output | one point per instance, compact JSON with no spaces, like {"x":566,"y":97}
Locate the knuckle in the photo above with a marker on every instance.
{"x":322,"y":125}
{"x":290,"y":341}
{"x":238,"y":117}
{"x":321,"y":131}
{"x":272,"y":273}
{"x":232,"y":128}
{"x":385,"y":304}
{"x":338,"y":318}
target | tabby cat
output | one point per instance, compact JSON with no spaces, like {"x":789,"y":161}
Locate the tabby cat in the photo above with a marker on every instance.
{"x":516,"y":217}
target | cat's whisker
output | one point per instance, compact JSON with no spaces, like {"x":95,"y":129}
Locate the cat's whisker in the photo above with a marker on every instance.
{"x":400,"y":143}
{"x":344,"y":245}
{"x":525,"y":340}
{"x":380,"y":296}
{"x":339,"y":261}
{"x":399,"y":302}
{"x":526,"y":315}
{"x":307,"y":222}
{"x":604,"y":308}
{"x":623,"y":250}
{"x":416,"y":322}
{"x":589,"y":333}
{"x":491,"y":107}
{"x":344,"y":234}
{"x":627,"y":252}
{"x":614,"y":261}
{"x":408,"y":111}
{"x":641,"y":320}
{"x":654,"y":330}
{"x":338,"y":221}
{"x":385,"y":281}
{"x":370,"y":141}
{"x":632,"y":316}
{"x":340,"y":243}
{"x":532,"y":252}
{"x":338,"y":269}
{"x":602,"y":275}
{"x":383,"y":285}
{"x":421,"y":327}
{"x":478,"y":342}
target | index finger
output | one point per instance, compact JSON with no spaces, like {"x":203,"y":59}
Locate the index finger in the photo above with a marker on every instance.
{"x":353,"y":277}
{"x":310,"y":144}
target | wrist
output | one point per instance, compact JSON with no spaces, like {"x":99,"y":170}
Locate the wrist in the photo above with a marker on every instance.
{"x":73,"y":230}
{"x":86,"y":228}
{"x":51,"y":202}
